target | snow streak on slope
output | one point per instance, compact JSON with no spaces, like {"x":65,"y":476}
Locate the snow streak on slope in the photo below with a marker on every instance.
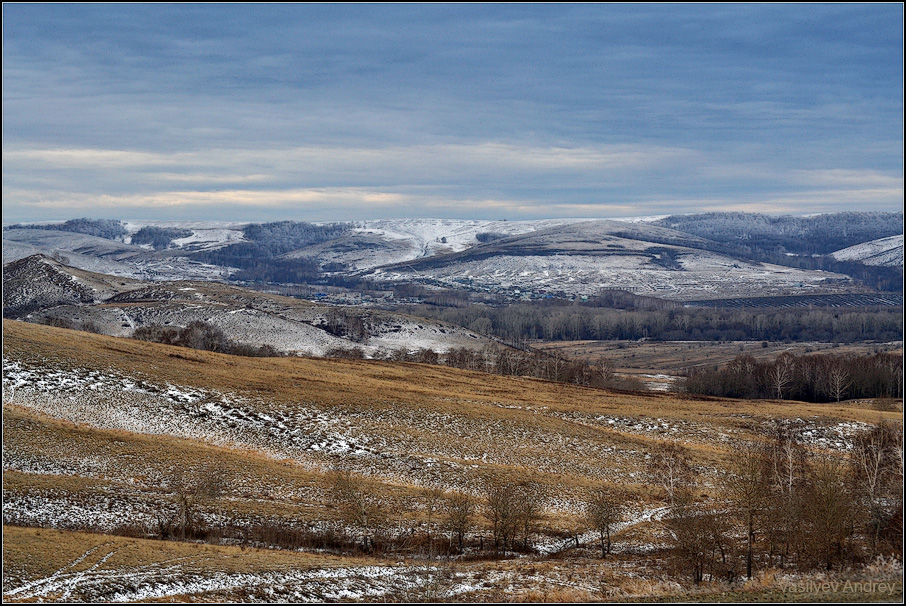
{"x":703,"y":275}
{"x":190,"y":575}
{"x":887,"y":252}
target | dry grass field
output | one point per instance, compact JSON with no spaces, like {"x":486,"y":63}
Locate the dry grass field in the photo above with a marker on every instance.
{"x":107,"y":435}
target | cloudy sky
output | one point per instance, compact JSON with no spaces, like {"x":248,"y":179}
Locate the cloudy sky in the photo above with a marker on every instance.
{"x":325,"y":112}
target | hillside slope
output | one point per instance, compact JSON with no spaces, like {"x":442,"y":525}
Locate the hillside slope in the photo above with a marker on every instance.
{"x":583,"y":258}
{"x":886,"y":252}
{"x":117,"y":436}
{"x":44,"y":290}
{"x":686,"y":258}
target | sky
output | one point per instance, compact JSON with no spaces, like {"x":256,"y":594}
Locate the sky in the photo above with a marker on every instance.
{"x":336,"y":112}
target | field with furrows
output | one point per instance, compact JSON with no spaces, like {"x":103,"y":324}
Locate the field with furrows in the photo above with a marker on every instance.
{"x":108,"y":435}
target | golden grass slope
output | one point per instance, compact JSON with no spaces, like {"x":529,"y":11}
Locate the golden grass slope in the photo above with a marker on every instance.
{"x":81,"y":450}
{"x":412,"y":423}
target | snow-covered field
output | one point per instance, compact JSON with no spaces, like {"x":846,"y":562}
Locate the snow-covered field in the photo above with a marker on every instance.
{"x":371,"y":245}
{"x":187,"y":576}
{"x":887,"y":252}
{"x":704,"y":275}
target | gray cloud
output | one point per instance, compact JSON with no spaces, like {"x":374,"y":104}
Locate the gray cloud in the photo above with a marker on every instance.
{"x":538,"y":109}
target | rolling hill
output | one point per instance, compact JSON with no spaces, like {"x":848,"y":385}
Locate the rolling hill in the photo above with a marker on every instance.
{"x":886,"y":252}
{"x":106,"y":435}
{"x":687,"y":258}
{"x":44,"y":290}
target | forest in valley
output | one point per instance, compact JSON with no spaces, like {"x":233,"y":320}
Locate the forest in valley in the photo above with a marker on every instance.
{"x":809,"y":378}
{"x":599,"y":320}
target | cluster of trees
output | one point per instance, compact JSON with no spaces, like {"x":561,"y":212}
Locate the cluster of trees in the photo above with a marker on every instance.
{"x":776,"y":504}
{"x":810,"y":378}
{"x":159,"y":237}
{"x":564,"y":321}
{"x":810,"y":239}
{"x":260,"y":257}
{"x":102,"y":228}
{"x":511,"y":508}
{"x":268,"y":270}
{"x":284,"y":236}
{"x":488,"y":236}
{"x":821,"y":234}
{"x":201,"y":335}
{"x":507,"y":362}
{"x":72,"y":324}
{"x":780,"y":505}
{"x":341,"y":322}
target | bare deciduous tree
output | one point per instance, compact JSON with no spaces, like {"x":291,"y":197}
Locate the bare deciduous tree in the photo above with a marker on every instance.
{"x":501,"y":511}
{"x":193,"y":490}
{"x":787,"y":464}
{"x":671,"y":467}
{"x":602,"y":511}
{"x":433,"y":498}
{"x":830,"y":512}
{"x":529,"y":507}
{"x":459,"y":509}
{"x":836,"y":380}
{"x":512,"y":509}
{"x":746,"y":486}
{"x":781,"y":374}
{"x":699,"y":537}
{"x":356,"y":504}
{"x":877,"y":472}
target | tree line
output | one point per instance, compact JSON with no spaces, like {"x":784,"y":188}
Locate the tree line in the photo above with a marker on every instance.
{"x":573,"y":321}
{"x":507,"y":362}
{"x":159,"y":238}
{"x":101,"y":228}
{"x":260,"y":257}
{"x":809,"y":378}
{"x":821,"y":234}
{"x":801,"y":242}
{"x":201,"y":335}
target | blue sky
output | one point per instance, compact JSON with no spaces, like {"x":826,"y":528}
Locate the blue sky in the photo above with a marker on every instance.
{"x":324,"y":112}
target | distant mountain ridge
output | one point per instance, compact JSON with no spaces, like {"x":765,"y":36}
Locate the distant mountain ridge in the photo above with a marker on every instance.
{"x":689,"y":257}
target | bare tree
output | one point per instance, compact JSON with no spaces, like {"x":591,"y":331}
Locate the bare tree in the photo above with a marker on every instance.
{"x":356,"y":504}
{"x":699,"y":536}
{"x":837,"y":380}
{"x":529,"y":507}
{"x":603,"y":510}
{"x":512,"y":509}
{"x":671,"y":467}
{"x":501,"y":511}
{"x":877,"y":472}
{"x":193,"y":491}
{"x":459,"y":509}
{"x":433,"y":498}
{"x":830,"y":511}
{"x":781,"y":373}
{"x":746,"y":486}
{"x":786,"y":466}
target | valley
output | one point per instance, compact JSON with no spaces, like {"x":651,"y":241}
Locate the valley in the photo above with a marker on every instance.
{"x":451,"y":410}
{"x":117,"y":436}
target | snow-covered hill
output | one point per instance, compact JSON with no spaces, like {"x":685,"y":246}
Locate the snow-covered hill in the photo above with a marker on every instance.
{"x":575,"y":257}
{"x":43,"y":290}
{"x":886,"y":252}
{"x":585,"y":257}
